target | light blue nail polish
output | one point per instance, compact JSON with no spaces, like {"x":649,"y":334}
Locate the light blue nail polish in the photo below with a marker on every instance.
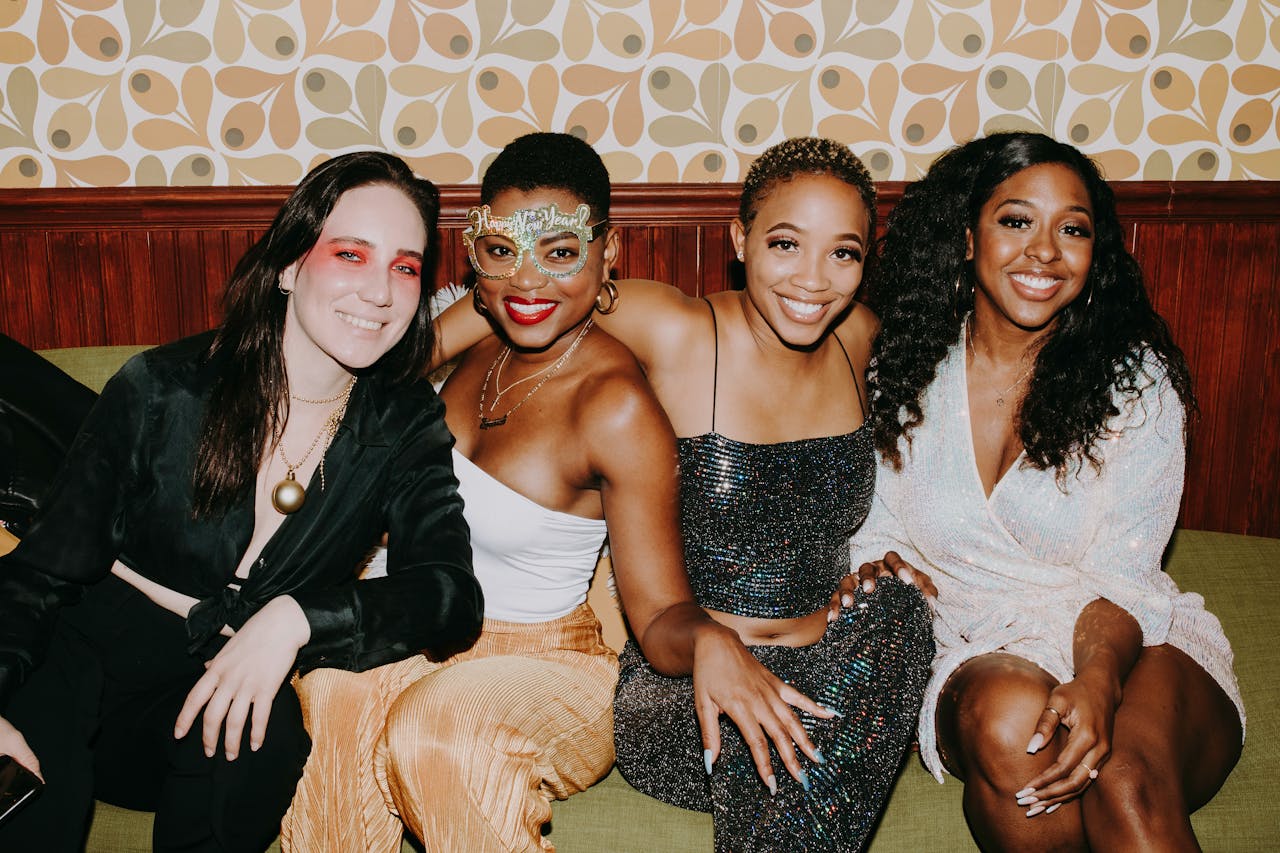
{"x":706,"y":760}
{"x":804,"y":781}
{"x":831,"y":710}
{"x":822,"y":759}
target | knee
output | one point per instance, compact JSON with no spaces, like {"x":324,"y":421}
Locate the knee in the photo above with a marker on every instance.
{"x":427,"y":727}
{"x":902,"y":609}
{"x":1137,"y":788}
{"x":990,"y":722}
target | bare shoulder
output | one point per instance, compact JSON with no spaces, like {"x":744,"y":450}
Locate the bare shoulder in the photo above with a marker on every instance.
{"x":857,"y":330}
{"x":616,"y":407}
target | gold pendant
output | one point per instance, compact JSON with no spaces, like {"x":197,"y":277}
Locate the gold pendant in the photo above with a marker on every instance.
{"x":288,"y":495}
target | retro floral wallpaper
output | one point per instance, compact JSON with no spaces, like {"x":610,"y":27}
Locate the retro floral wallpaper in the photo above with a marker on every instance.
{"x":228,"y":92}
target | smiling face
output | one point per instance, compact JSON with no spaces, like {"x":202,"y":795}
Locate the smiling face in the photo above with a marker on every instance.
{"x":804,"y":256}
{"x":534,"y":310}
{"x":1033,"y":246}
{"x":355,"y":292}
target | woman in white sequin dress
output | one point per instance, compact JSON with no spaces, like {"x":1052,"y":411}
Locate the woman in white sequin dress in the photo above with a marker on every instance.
{"x":1029,"y":407}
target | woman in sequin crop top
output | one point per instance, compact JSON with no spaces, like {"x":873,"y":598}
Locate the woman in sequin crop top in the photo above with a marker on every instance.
{"x":1029,"y":406}
{"x":764,"y":388}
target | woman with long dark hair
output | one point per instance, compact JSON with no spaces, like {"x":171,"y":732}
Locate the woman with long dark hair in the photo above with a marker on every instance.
{"x":1030,"y":409}
{"x":237,"y":478}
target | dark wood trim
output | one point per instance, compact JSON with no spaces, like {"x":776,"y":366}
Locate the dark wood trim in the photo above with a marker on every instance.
{"x":146,"y":265}
{"x":228,"y":207}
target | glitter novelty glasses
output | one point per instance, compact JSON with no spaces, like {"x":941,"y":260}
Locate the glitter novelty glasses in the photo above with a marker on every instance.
{"x":556,"y":242}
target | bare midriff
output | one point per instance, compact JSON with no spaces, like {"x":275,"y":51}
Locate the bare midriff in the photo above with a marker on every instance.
{"x":758,"y":631}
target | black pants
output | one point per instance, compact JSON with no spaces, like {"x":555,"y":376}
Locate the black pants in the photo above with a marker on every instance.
{"x":99,"y":714}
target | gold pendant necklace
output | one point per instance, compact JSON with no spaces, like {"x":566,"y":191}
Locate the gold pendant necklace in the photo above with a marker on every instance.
{"x":491,"y":422}
{"x":289,"y":495}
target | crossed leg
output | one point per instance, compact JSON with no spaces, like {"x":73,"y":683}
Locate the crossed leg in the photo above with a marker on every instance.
{"x":1176,"y":737}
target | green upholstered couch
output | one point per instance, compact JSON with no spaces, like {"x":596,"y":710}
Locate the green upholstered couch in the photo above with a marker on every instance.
{"x":1239,"y":577}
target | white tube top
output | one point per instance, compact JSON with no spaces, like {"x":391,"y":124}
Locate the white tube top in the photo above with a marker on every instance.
{"x":534,"y":564}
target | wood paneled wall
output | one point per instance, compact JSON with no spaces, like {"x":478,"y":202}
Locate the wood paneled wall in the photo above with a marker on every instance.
{"x":146,"y":265}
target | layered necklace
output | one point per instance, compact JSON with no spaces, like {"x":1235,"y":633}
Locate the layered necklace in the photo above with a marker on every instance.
{"x":289,"y":495}
{"x":968,"y":336}
{"x":546,"y":373}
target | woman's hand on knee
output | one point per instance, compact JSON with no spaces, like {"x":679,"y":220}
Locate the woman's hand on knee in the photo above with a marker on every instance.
{"x":242,"y":680}
{"x":14,"y":745}
{"x":727,"y":679}
{"x":892,"y":566}
{"x":1087,"y":711}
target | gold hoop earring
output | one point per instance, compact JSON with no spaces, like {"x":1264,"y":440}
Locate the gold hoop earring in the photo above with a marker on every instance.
{"x":612,"y":305}
{"x":477,"y":302}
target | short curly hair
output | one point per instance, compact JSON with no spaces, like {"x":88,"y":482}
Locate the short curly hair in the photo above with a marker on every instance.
{"x":550,"y":161}
{"x":805,"y":155}
{"x":924,"y":290}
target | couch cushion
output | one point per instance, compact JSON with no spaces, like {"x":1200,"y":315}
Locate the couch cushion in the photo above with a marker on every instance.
{"x":93,"y":366}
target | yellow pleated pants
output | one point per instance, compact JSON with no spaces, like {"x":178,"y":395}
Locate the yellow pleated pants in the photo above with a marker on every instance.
{"x":467,"y":753}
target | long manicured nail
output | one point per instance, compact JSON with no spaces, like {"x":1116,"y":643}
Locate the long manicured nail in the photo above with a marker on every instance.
{"x":831,"y":616}
{"x":847,"y":599}
{"x":707,"y":760}
{"x":822,"y":759}
{"x":1053,"y":808}
{"x":868,"y":585}
{"x":1028,"y":800}
{"x":804,"y":781}
{"x":771,"y":782}
{"x":1024,"y":792}
{"x":1034,"y":810}
{"x":832,"y":711}
{"x":1037,"y":741}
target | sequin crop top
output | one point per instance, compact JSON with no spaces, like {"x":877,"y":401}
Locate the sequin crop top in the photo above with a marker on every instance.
{"x":766,"y":526}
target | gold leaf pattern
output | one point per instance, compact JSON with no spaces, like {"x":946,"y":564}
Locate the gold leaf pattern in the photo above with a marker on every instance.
{"x":666,"y":90}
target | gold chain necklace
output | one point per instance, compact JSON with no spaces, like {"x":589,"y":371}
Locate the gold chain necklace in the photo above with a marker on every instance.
{"x":968,"y":336}
{"x":490,"y":423}
{"x":497,"y":379}
{"x":289,"y":495}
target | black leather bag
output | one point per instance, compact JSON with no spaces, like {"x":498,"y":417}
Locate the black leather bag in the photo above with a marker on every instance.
{"x":41,"y":409}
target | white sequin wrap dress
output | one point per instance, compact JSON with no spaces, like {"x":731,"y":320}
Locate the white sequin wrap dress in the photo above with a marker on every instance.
{"x":1014,"y":571}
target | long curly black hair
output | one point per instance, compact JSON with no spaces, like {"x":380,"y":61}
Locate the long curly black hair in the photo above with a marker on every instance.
{"x":924,"y":290}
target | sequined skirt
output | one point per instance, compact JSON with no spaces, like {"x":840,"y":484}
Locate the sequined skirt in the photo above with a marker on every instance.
{"x":871,"y":665}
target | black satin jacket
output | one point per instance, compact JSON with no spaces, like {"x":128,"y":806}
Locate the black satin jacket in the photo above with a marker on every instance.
{"x":125,"y":492}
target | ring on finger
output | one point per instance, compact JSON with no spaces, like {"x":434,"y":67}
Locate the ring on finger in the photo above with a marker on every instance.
{"x":1054,"y":710}
{"x":1093,"y":771}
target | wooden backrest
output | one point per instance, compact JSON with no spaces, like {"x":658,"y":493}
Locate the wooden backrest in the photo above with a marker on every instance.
{"x":147,"y":265}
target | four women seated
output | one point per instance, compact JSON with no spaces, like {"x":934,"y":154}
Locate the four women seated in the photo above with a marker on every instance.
{"x":1000,"y":446}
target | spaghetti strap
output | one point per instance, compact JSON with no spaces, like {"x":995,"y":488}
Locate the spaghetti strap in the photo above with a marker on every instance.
{"x":857,"y":389}
{"x":715,"y":369}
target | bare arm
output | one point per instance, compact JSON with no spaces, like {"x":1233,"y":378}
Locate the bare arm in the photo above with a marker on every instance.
{"x":1106,"y":646}
{"x":654,"y":320}
{"x":634,"y":449}
{"x":458,"y":328}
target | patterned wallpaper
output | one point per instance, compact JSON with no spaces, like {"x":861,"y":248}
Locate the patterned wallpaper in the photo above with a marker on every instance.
{"x":227,"y":92}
